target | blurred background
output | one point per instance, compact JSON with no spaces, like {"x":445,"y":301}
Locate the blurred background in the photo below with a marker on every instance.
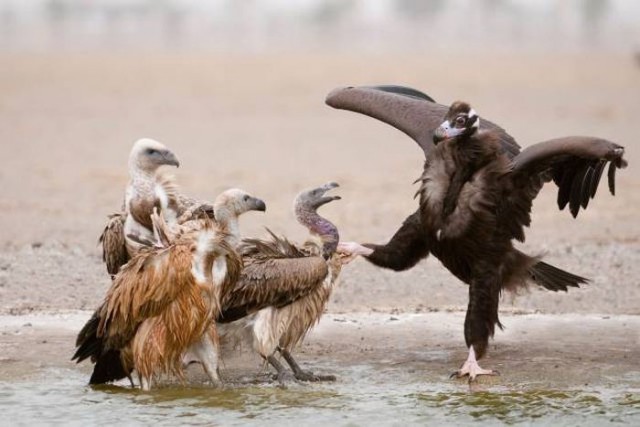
{"x":236,"y":89}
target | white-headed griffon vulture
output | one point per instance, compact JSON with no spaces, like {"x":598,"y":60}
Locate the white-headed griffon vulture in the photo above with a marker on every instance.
{"x":148,"y":187}
{"x":476,"y":193}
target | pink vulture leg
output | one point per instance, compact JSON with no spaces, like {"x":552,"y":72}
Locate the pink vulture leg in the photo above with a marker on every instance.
{"x":471,"y":368}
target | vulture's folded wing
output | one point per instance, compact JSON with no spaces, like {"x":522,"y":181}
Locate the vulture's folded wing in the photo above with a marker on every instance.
{"x":112,"y":239}
{"x":272,"y":282}
{"x":143,"y":289}
{"x":408,"y":110}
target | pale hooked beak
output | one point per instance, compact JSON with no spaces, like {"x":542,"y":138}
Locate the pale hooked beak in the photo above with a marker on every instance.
{"x":170,"y":159}
{"x":445,"y":131}
{"x":326,"y":199}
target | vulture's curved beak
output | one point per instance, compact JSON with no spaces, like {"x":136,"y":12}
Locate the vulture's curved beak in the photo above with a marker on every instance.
{"x":170,"y":159}
{"x":324,"y":189}
{"x":258,"y":204}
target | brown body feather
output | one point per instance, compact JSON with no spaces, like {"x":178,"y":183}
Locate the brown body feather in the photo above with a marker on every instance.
{"x":476,"y":198}
{"x":157,"y":308}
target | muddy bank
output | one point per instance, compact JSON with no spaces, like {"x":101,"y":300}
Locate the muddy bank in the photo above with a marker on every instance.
{"x":547,"y":351}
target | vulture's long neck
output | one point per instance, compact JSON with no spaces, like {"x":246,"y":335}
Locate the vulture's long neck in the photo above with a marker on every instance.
{"x":321,"y":227}
{"x":229,"y":222}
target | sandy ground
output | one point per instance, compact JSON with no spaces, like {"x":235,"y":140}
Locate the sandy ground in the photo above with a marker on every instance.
{"x":425,"y":346}
{"x":67,"y":122}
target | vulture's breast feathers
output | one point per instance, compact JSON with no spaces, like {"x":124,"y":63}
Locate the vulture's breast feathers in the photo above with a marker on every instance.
{"x":461,"y":184}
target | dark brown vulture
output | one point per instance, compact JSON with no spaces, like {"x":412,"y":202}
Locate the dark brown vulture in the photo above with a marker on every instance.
{"x":476,"y":193}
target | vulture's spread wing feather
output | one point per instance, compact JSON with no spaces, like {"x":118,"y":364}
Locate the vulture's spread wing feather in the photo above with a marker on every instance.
{"x":574,"y":163}
{"x":408,"y":110}
{"x":112,"y":239}
{"x":275,"y":274}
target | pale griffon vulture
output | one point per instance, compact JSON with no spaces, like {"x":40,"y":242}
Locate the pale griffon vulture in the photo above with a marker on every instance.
{"x":290,"y":285}
{"x":148,"y":187}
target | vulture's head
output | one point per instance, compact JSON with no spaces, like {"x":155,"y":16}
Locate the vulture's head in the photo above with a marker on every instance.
{"x":235,"y":202}
{"x":310,"y":200}
{"x":461,"y":120}
{"x":148,"y":155}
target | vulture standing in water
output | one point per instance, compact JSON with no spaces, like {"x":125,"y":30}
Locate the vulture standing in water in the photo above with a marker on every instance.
{"x":147,"y":188}
{"x":163,"y":302}
{"x":293,"y":283}
{"x":476,"y":194}
{"x":147,"y":192}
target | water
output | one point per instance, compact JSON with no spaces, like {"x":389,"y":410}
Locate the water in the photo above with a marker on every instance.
{"x":364,"y":396}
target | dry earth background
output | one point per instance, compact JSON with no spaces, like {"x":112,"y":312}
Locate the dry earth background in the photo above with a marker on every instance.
{"x":247,"y":110}
{"x":260,"y":123}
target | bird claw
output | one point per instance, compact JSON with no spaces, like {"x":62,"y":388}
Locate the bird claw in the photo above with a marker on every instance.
{"x":472,"y":370}
{"x":311,"y":377}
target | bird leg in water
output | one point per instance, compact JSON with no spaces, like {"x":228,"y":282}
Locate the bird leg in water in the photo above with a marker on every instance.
{"x":282,"y":374}
{"x":471,"y":368}
{"x":299,"y":373}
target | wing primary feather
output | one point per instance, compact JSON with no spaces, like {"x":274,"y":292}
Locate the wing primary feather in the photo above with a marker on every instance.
{"x":586,"y":186}
{"x":565,"y":188}
{"x":612,"y":178}
{"x":576,"y":192}
{"x":596,"y":179}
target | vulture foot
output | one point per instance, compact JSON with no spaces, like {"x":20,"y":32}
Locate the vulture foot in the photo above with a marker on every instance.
{"x":472,"y":369}
{"x":311,"y":377}
{"x":282,"y":376}
{"x":299,"y":373}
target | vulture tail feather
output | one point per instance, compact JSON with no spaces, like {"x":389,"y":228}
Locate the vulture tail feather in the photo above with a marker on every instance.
{"x":108,"y":368}
{"x":553,"y":278}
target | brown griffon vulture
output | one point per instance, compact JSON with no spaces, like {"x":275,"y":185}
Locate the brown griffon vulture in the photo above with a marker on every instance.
{"x":290,"y":286}
{"x":163,"y":302}
{"x":476,"y":194}
{"x":148,"y":187}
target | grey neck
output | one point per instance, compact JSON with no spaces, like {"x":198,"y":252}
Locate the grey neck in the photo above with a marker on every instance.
{"x":321,"y":227}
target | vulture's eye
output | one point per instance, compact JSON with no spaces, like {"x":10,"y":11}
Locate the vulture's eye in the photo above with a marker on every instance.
{"x":245,"y":198}
{"x":460,"y":120}
{"x":151,"y":151}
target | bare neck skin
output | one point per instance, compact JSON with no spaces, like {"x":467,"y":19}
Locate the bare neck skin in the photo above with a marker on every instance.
{"x":319,"y":226}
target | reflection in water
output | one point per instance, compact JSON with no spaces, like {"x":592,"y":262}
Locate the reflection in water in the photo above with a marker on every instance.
{"x":327,"y":25}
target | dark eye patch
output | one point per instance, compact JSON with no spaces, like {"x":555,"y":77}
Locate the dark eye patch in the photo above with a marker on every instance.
{"x":151,"y":151}
{"x":245,"y":198}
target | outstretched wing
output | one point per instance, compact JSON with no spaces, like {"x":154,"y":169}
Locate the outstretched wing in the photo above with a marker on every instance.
{"x":275,"y":274}
{"x":408,"y":110}
{"x":574,"y":163}
{"x":112,"y":239}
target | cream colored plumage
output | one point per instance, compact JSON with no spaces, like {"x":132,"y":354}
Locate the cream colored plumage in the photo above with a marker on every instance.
{"x":283,"y":289}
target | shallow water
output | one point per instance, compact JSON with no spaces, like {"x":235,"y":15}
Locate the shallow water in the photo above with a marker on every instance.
{"x":362,"y":396}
